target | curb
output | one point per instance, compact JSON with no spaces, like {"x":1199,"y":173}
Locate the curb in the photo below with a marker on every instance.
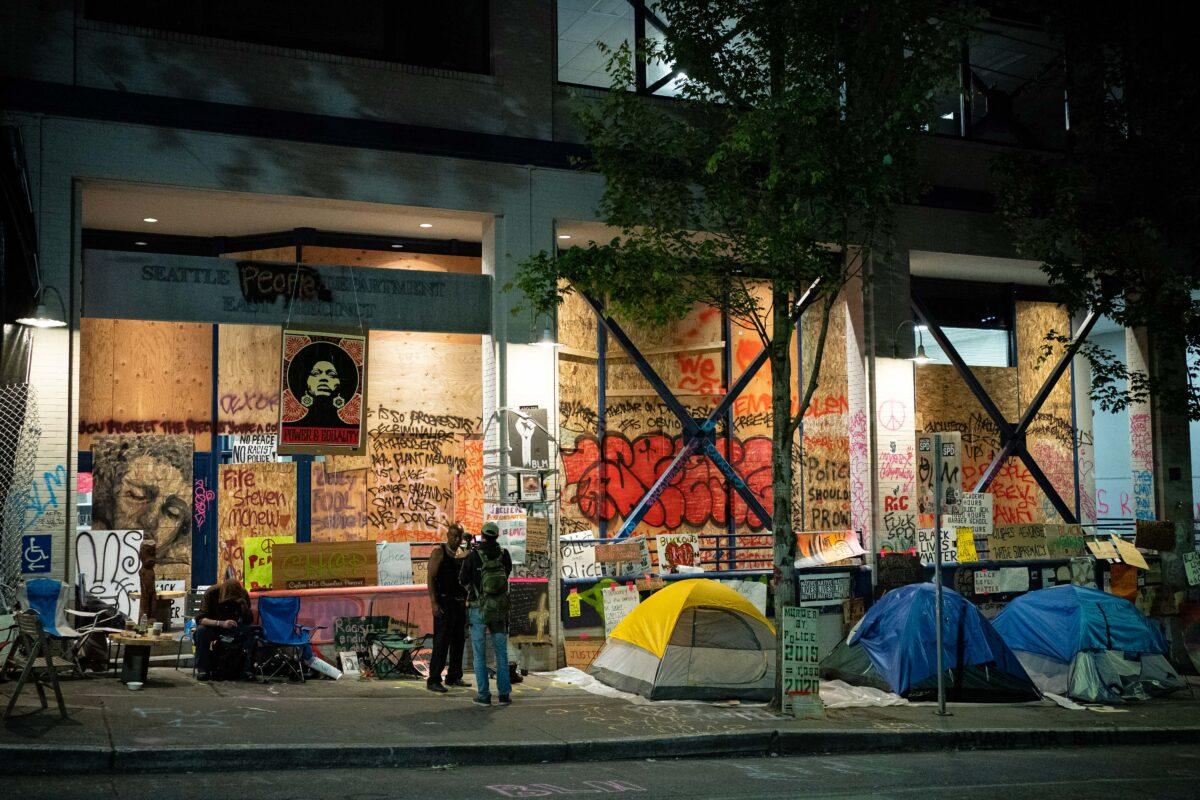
{"x":43,"y":759}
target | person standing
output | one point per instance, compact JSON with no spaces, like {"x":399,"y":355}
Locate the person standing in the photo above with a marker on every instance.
{"x":449,"y":600}
{"x":485,"y":573}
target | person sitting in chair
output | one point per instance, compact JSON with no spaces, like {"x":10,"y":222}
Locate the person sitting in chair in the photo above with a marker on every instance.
{"x":223,"y":634}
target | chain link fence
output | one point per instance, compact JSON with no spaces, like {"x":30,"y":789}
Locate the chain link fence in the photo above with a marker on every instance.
{"x":19,"y":434}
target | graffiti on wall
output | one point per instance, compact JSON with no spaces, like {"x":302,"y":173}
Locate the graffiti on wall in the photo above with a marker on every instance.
{"x":694,"y":496}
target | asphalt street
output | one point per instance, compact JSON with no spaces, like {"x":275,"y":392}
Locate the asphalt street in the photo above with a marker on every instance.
{"x":1110,"y":772}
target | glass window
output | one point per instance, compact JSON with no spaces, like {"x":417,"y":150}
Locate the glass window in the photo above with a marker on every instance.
{"x":582,"y":26}
{"x":979,"y":347}
{"x":452,"y":36}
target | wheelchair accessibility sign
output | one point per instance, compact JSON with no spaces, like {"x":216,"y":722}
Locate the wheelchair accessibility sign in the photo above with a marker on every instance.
{"x":35,"y":553}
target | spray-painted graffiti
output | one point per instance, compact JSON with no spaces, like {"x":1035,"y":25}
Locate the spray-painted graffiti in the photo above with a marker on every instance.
{"x":41,"y":508}
{"x":695,"y":495}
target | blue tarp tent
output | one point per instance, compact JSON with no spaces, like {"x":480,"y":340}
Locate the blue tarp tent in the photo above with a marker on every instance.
{"x":1087,"y":644}
{"x":894,"y":648}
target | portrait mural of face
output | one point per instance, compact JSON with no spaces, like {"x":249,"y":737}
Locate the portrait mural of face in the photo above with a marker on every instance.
{"x":323,"y":378}
{"x":145,"y":483}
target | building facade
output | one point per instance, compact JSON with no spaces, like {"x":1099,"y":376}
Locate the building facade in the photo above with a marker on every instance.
{"x":168,"y":153}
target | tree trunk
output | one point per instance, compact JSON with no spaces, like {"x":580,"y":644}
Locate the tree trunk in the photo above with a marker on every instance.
{"x":784,"y":555}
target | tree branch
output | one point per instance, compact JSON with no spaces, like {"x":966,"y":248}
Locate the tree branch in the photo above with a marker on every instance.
{"x":818,"y":357}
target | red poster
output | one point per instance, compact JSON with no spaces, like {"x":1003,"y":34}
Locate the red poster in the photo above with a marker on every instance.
{"x":323,"y":386}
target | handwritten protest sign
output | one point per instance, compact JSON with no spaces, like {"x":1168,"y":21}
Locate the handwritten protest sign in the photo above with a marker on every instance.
{"x":677,"y":550}
{"x":1065,"y":541}
{"x":966,"y":545}
{"x":577,"y":557}
{"x":1191,"y":565}
{"x":394,"y":563}
{"x":618,"y":602}
{"x":258,"y":550}
{"x":511,"y":522}
{"x":321,"y":565}
{"x":801,"y":662}
{"x":975,"y":512}
{"x":1012,"y":542}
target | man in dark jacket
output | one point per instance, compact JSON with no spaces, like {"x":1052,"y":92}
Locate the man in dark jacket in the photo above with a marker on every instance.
{"x":449,"y":600}
{"x":485,"y":574}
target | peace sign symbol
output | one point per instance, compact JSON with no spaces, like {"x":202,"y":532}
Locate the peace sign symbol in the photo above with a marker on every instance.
{"x":892,"y":414}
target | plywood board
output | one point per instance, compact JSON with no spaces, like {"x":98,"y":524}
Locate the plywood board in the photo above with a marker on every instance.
{"x":252,"y":500}
{"x":247,"y":379}
{"x":1051,"y":438}
{"x":425,"y":401}
{"x":826,"y":459}
{"x":945,"y":404}
{"x":139,"y":377}
{"x":339,"y":504}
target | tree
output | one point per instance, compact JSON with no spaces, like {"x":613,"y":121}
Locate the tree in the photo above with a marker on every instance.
{"x":778,"y":165}
{"x":1113,"y":219}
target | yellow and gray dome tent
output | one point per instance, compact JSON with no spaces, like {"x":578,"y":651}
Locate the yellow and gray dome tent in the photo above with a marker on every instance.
{"x":696,"y":639}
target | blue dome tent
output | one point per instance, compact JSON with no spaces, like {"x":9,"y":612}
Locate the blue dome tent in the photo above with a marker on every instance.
{"x":893,"y":648}
{"x":1088,"y":645}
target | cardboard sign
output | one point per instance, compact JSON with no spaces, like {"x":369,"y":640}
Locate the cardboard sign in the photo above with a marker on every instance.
{"x":823,"y":590}
{"x":678,"y":550}
{"x":801,"y":662}
{"x":630,"y":569}
{"x":1083,"y":572}
{"x":1191,"y":566}
{"x":1065,"y":541}
{"x":1018,"y":542}
{"x":899,"y":569}
{"x":649,"y":583}
{"x":1129,"y":553}
{"x":573,"y":604}
{"x":975,"y":511}
{"x":987,"y":581}
{"x":1155,"y":535}
{"x":625,"y":551}
{"x":582,"y":652}
{"x":537,"y":534}
{"x":1103,"y":550}
{"x":618,"y":602}
{"x":259,"y":565}
{"x":323,"y":565}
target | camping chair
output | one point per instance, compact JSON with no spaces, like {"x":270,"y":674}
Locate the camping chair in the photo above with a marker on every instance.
{"x":191,"y":607}
{"x":394,"y":655}
{"x":47,"y":598}
{"x":285,"y":646}
{"x":33,"y":637}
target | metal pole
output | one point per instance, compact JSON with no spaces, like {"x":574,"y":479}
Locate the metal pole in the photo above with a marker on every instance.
{"x":937,"y":569}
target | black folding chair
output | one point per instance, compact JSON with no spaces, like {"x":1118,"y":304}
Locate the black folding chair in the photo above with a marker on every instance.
{"x":33,"y":640}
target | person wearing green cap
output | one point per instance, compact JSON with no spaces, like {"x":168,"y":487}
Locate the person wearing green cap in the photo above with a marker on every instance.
{"x":485,"y":574}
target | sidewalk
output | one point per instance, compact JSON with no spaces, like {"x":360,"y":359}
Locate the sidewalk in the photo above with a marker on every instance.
{"x":176,"y":724}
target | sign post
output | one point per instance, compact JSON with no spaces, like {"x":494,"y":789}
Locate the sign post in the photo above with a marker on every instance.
{"x":937,"y":569}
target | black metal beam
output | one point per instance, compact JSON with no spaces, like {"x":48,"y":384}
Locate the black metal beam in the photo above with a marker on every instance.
{"x":657,"y":383}
{"x":961,"y":367}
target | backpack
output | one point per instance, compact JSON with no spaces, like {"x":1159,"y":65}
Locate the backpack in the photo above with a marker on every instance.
{"x":493,"y":591}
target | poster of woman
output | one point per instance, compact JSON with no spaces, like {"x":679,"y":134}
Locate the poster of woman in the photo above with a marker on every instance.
{"x":323,"y":385}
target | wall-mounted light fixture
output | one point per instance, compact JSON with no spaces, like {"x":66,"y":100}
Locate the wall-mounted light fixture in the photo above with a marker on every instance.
{"x":43,"y":316}
{"x":920,"y":357}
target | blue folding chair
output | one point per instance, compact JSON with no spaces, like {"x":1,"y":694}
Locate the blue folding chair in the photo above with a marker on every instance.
{"x":285,"y":646}
{"x":47,"y":598}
